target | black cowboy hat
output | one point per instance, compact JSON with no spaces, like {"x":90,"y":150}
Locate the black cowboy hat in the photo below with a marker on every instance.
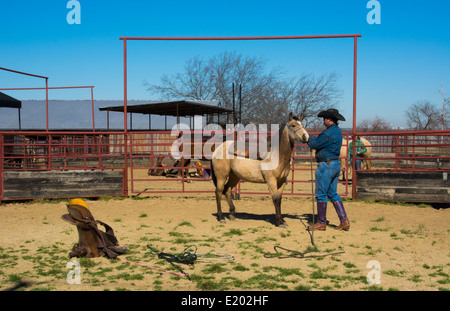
{"x":331,"y":113}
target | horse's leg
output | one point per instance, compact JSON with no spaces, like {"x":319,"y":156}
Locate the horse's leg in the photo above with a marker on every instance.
{"x":276,"y":190}
{"x":280,"y":189}
{"x":343,"y":167}
{"x":231,"y":183}
{"x":219,"y":191}
{"x":368,"y":163}
{"x":219,"y":177}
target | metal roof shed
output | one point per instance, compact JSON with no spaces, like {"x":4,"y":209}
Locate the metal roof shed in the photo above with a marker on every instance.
{"x":179,"y":108}
{"x":7,"y":101}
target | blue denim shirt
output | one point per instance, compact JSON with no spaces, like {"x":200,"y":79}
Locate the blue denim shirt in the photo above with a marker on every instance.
{"x":327,"y":144}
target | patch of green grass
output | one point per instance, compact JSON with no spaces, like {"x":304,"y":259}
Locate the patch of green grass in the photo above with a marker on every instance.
{"x":214,"y":268}
{"x":349,"y":265}
{"x":302,"y":288}
{"x":379,"y":219}
{"x":14,"y":278}
{"x":232,"y":232}
{"x":416,"y":278}
{"x":395,"y":273}
{"x":371,"y":251}
{"x":264,"y":282}
{"x":185,"y":223}
{"x":264,"y":239}
{"x":207,"y":284}
{"x":241,"y":268}
{"x":375,"y":229}
{"x":127,"y":277}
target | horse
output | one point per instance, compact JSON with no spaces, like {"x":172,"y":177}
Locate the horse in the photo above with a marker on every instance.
{"x":365,"y":156}
{"x":228,"y":169}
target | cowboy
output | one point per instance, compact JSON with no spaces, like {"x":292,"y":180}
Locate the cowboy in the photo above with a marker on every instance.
{"x":328,"y":145}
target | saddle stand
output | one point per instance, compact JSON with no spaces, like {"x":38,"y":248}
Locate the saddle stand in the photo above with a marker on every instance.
{"x":93,"y":242}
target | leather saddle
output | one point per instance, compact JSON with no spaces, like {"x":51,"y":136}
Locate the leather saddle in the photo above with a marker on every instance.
{"x":93,"y":242}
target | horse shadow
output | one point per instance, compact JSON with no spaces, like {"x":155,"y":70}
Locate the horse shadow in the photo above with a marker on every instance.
{"x":270,"y":218}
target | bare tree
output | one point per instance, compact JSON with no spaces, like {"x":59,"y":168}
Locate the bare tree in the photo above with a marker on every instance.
{"x":194,"y":83}
{"x":364,"y":126}
{"x":379,"y":125}
{"x":444,"y":108}
{"x":374,"y":125}
{"x":424,"y":116}
{"x":267,"y":97}
{"x":312,"y":95}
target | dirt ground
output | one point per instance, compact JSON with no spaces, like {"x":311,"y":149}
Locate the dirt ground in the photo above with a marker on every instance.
{"x":388,"y":247}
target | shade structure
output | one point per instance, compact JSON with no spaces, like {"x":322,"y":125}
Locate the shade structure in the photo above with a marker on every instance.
{"x":177,"y":108}
{"x":7,"y":101}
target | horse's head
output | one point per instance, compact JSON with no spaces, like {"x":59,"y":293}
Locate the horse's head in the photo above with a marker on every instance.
{"x":296,"y":129}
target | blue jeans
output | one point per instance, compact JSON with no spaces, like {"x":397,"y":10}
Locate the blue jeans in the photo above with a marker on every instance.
{"x":327,"y":177}
{"x":358,"y":162}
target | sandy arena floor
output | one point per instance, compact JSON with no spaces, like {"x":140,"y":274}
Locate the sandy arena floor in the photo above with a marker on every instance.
{"x":410,"y":243}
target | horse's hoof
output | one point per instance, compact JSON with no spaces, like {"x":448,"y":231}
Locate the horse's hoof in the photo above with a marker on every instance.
{"x":222,"y":221}
{"x":232,"y":217}
{"x":283,"y":225}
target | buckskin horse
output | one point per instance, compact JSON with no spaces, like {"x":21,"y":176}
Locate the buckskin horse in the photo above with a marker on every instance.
{"x":365,"y":156}
{"x":228,"y":170}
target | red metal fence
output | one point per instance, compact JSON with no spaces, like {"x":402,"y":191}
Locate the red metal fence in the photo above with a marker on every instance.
{"x":36,"y":151}
{"x":410,"y":151}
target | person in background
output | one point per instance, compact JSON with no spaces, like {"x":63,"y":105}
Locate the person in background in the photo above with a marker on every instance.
{"x":360,"y":150}
{"x":328,"y":147}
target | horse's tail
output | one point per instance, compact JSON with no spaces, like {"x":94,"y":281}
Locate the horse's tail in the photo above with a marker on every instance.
{"x":213,"y":176}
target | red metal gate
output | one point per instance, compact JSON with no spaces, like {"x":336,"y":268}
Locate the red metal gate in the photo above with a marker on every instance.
{"x":147,"y":147}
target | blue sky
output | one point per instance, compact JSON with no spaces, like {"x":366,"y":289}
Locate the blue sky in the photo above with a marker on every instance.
{"x":400,"y":61}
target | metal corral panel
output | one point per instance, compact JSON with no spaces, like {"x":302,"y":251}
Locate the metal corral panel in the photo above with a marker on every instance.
{"x":426,"y":187}
{"x":61,"y":184}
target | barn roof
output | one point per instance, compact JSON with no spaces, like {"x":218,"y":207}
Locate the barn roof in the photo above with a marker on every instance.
{"x":181,"y":108}
{"x":9,"y":102}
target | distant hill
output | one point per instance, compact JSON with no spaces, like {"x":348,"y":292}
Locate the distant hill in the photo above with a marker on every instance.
{"x":75,"y":114}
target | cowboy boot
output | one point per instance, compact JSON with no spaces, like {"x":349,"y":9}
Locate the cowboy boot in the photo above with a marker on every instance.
{"x":321,"y":224}
{"x":345,"y":224}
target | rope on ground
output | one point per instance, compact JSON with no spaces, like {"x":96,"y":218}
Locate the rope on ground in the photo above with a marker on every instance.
{"x":296,"y":254}
{"x":188,"y":256}
{"x":185,"y":257}
{"x":213,"y":257}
